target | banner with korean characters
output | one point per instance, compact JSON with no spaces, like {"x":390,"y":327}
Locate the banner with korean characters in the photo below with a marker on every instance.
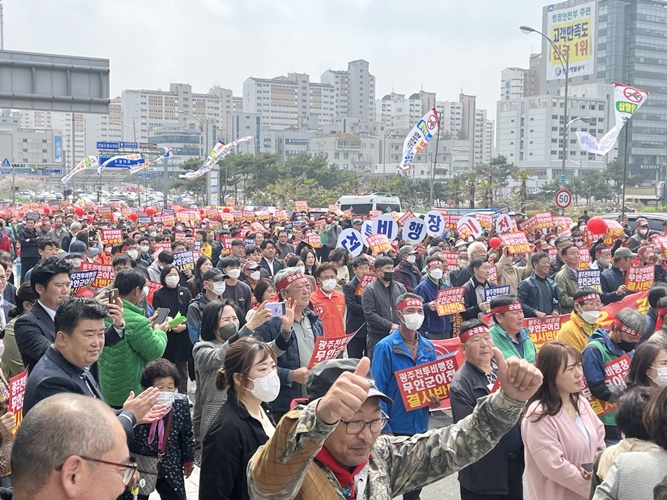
{"x":492,"y":292}
{"x":450,"y":301}
{"x":563,"y":221}
{"x":313,"y":240}
{"x":615,"y":373}
{"x":584,"y":258}
{"x":152,"y":287}
{"x":378,"y":243}
{"x":590,"y":278}
{"x":640,"y":278}
{"x":365,"y":280}
{"x":17,"y":386}
{"x":418,"y":385}
{"x":405,"y":217}
{"x":546,"y":330}
{"x":226,"y":244}
{"x":329,"y":348}
{"x":452,"y":259}
{"x":184,"y":260}
{"x":541,"y":220}
{"x":493,"y":274}
{"x":105,"y":274}
{"x":485,"y":219}
{"x":82,"y":278}
{"x":112,"y":236}
{"x":350,"y":240}
{"x":515,"y":242}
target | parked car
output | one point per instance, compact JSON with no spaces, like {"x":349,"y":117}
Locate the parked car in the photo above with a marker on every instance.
{"x":656,"y":220}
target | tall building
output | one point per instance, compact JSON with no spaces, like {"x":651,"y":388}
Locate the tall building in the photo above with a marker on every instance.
{"x":354,"y":90}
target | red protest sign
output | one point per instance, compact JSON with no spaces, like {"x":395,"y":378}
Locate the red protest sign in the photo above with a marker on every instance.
{"x":300,"y":205}
{"x":452,"y":259}
{"x":313,"y":240}
{"x":450,"y":301}
{"x":405,"y":218}
{"x":515,"y":242}
{"x":640,"y":278}
{"x":16,"y":394}
{"x":419,"y":383}
{"x":485,"y":219}
{"x":615,"y":373}
{"x":378,"y":243}
{"x":562,"y":221}
{"x":365,"y":280}
{"x":328,"y":348}
{"x":584,"y":258}
{"x":105,"y":274}
{"x":226,"y":244}
{"x":152,"y":287}
{"x":112,"y":236}
{"x":493,"y":274}
{"x":374,"y":214}
{"x":545,"y":331}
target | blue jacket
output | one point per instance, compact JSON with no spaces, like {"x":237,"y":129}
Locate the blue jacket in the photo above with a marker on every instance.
{"x":651,"y":320}
{"x":428,"y":290}
{"x":592,"y":358}
{"x":532,"y":298}
{"x":289,"y":361}
{"x":390,"y":355}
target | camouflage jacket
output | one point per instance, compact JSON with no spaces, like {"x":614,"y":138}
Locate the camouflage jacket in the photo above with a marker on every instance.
{"x":284,"y":467}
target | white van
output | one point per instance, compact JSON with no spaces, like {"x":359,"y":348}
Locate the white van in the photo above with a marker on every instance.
{"x":362,"y":205}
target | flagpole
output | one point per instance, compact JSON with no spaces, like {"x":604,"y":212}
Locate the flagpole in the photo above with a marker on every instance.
{"x":625,"y":169}
{"x":435,"y":159}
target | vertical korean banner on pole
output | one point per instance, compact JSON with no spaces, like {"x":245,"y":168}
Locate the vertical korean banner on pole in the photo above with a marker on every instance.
{"x":16,"y":393}
{"x":418,"y":137}
{"x":573,"y":31}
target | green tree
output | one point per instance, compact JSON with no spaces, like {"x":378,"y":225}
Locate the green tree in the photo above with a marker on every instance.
{"x":522,"y":176}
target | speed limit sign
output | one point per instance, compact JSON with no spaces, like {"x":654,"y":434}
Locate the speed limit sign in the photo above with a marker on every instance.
{"x":563,"y":198}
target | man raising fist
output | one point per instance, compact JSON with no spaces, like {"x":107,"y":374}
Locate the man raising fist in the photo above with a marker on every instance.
{"x":333,"y":436}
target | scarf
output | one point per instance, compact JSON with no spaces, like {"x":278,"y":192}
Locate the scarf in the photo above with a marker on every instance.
{"x":344,"y":476}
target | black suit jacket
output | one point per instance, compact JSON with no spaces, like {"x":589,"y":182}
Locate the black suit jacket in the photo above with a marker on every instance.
{"x":355,"y":311}
{"x":35,"y":331}
{"x":277,"y":266}
{"x":53,"y":374}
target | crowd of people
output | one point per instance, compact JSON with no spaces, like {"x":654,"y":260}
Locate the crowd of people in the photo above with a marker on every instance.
{"x":234,"y":309}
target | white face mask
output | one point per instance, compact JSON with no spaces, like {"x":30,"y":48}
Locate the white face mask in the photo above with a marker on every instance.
{"x":413,"y":321}
{"x":166,"y":398}
{"x":266,"y":388}
{"x":411,"y":259}
{"x":146,"y":291}
{"x":152,"y":234}
{"x":661,"y":379}
{"x":436,"y":273}
{"x":144,"y":248}
{"x":590,"y":317}
{"x":76,"y":263}
{"x":219,"y":287}
{"x":133,"y":253}
{"x":234,"y":273}
{"x":255,"y":275}
{"x":328,"y":285}
{"x":172,"y":281}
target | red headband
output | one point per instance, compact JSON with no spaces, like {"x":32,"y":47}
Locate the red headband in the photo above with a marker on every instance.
{"x":590,"y":296}
{"x":514,"y":306}
{"x":477,"y":330}
{"x":626,"y":329}
{"x":433,"y":263}
{"x":288,"y":280}
{"x":661,"y":315}
{"x":409,"y":302}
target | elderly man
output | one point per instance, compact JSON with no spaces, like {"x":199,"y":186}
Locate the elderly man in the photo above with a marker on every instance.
{"x":406,"y":272}
{"x":612,"y":281}
{"x":604,"y":347}
{"x":459,"y":277}
{"x":502,"y":468}
{"x":473,"y":299}
{"x":332,"y":447}
{"x":294,"y":334}
{"x":537,"y":294}
{"x":435,"y":327}
{"x":508,"y":333}
{"x":566,"y":278}
{"x":88,"y":460}
{"x":583,"y":320}
{"x":355,"y":320}
{"x":66,"y":365}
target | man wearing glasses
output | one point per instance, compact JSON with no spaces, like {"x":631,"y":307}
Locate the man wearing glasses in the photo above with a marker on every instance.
{"x":323,"y":450}
{"x":89,"y":459}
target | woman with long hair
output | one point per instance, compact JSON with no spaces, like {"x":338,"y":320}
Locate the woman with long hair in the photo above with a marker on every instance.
{"x":195,"y":284}
{"x":309,"y":258}
{"x":648,"y":367}
{"x":560,"y":430}
{"x":219,"y":330}
{"x":12,"y":363}
{"x":264,"y":292}
{"x":243,"y":424}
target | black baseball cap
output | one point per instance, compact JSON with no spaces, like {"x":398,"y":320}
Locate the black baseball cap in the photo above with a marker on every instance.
{"x":324,"y":374}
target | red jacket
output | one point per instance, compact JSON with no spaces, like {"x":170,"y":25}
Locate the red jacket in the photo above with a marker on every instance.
{"x":330,"y":310}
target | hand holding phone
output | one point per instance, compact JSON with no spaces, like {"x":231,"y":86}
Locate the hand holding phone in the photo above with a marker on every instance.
{"x":162,"y":314}
{"x":277,"y":309}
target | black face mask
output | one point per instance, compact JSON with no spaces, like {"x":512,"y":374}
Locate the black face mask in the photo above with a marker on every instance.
{"x":627,"y":346}
{"x":388,"y":276}
{"x":227,"y":331}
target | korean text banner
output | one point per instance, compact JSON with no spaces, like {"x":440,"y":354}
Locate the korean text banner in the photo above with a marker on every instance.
{"x":419,"y":136}
{"x":573,"y":31}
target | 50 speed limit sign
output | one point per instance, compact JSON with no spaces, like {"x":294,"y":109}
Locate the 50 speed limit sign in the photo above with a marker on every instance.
{"x":563,"y":198}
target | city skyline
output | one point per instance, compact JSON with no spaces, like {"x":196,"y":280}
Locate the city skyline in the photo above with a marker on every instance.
{"x":263,"y":44}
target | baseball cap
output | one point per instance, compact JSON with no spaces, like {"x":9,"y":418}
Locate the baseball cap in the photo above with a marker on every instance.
{"x":356,"y":221}
{"x":641,"y":221}
{"x":624,"y":252}
{"x":213,"y":274}
{"x":406,"y":249}
{"x":249,"y":265}
{"x":76,"y":248}
{"x":324,"y":374}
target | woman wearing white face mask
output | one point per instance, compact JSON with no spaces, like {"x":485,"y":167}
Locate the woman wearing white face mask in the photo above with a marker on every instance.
{"x":583,"y":319}
{"x":402,"y":349}
{"x":243,"y":424}
{"x":648,"y":367}
{"x":176,"y":298}
{"x":196,"y":284}
{"x":435,"y":327}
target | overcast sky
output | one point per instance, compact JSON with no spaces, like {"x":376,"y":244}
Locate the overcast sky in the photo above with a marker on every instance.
{"x":443,"y":45}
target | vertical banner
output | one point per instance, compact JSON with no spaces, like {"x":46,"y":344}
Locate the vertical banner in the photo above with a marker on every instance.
{"x":573,"y":31}
{"x":16,"y":393}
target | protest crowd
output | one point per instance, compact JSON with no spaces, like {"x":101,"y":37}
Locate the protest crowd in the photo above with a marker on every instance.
{"x":298,"y":354}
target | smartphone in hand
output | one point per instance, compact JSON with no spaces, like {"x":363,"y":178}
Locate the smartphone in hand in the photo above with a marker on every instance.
{"x":277,"y":309}
{"x":162,"y":314}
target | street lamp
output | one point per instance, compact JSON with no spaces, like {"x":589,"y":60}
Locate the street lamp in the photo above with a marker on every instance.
{"x":203,"y":128}
{"x":564,"y":60}
{"x":384,"y":149}
{"x":134,"y":135}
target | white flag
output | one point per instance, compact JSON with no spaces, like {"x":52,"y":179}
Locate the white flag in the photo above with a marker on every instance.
{"x":419,"y":136}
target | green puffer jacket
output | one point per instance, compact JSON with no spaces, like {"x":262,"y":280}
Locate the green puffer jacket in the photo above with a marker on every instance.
{"x":122,"y":364}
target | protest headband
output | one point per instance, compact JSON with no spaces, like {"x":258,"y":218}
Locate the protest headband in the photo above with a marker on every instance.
{"x":590,"y":296}
{"x":477,"y":330}
{"x":514,"y":306}
{"x":409,"y":302}
{"x":603,"y":251}
{"x":626,"y":329}
{"x":288,"y":280}
{"x":661,"y":316}
{"x":433,"y":263}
